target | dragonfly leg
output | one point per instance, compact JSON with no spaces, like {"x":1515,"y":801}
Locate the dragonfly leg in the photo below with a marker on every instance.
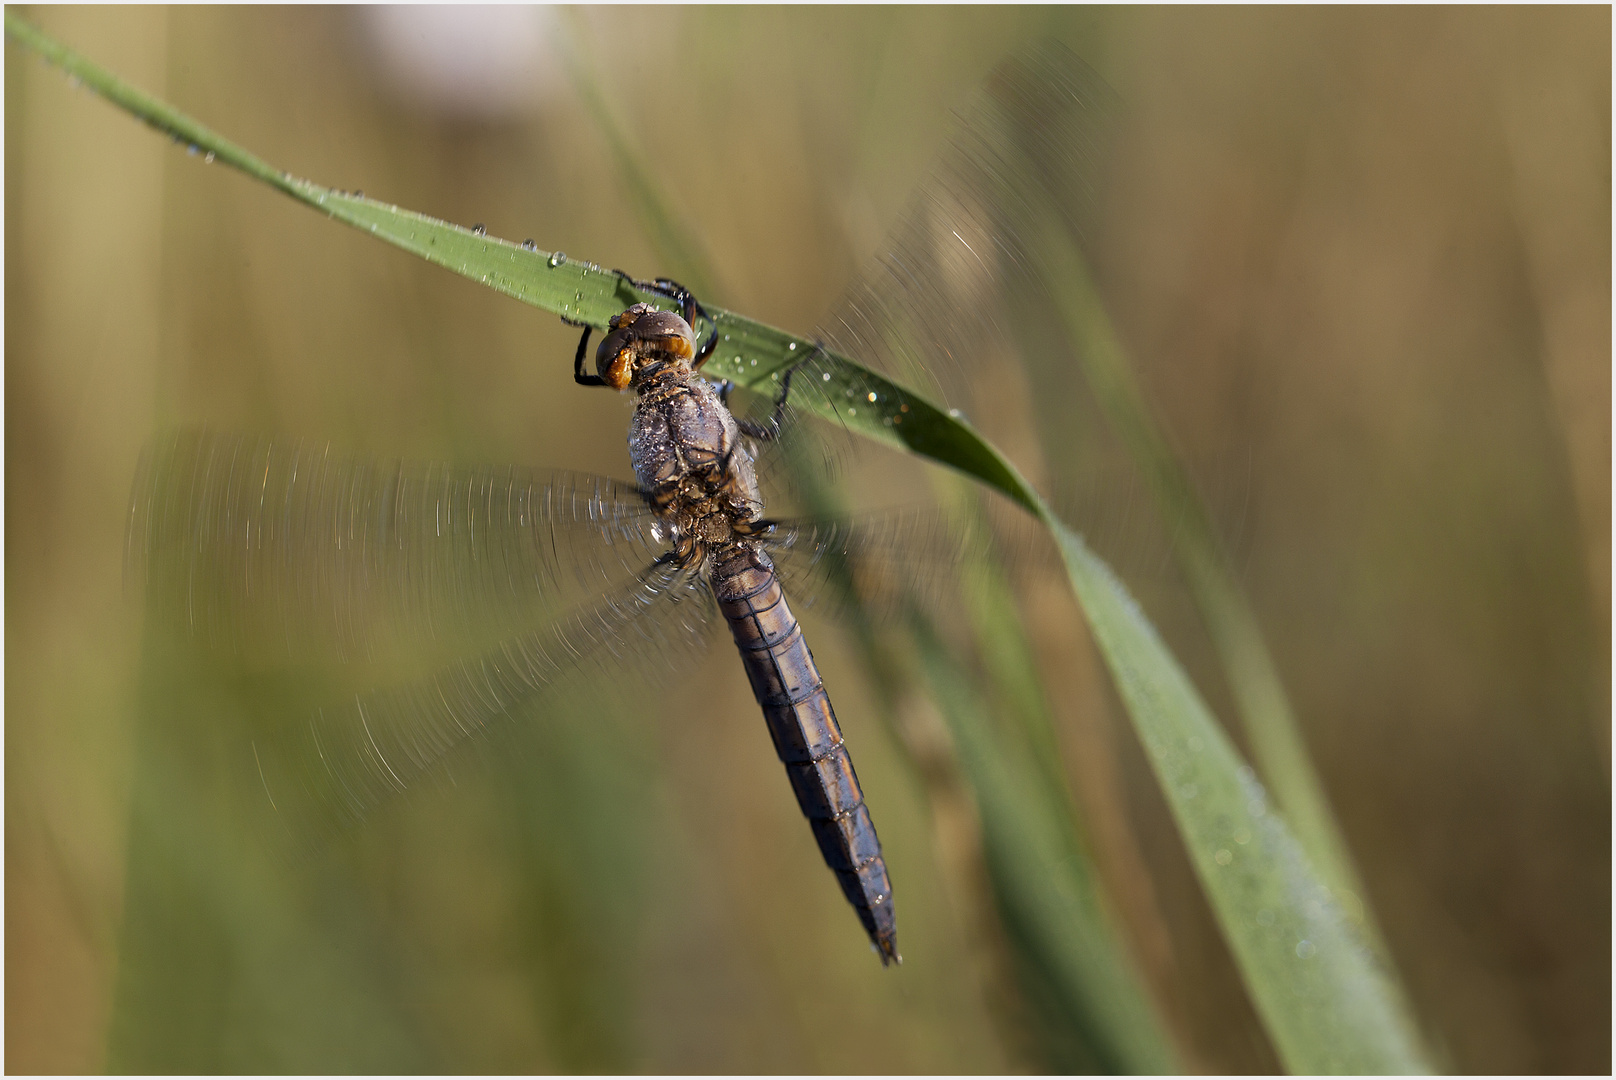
{"x":578,"y":375}
{"x":770,"y":431}
{"x":761,"y":432}
{"x":689,"y":307}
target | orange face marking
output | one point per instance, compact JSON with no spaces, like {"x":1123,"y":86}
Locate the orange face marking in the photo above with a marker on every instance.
{"x":621,"y":370}
{"x":678,"y":345}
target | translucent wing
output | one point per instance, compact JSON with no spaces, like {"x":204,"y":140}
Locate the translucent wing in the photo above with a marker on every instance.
{"x":935,"y":308}
{"x":287,"y":551}
{"x":354,"y":754}
{"x":256,"y":543}
{"x":885,"y":561}
{"x":955,"y":304}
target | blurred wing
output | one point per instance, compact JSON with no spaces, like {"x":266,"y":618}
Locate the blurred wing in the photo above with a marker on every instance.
{"x":255,"y":543}
{"x":352,"y":755}
{"x":934,"y":310}
{"x":956,"y":306}
{"x":880,"y":564}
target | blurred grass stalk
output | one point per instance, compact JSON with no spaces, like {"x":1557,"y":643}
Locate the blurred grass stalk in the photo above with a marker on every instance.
{"x":1085,"y":998}
{"x":1327,"y":1003}
{"x":1057,"y":248}
{"x":1264,"y":708}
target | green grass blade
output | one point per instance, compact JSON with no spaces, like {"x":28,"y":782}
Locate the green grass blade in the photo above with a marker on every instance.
{"x":1050,"y":123}
{"x":1323,"y":996}
{"x":1324,"y":999}
{"x":1260,"y":697}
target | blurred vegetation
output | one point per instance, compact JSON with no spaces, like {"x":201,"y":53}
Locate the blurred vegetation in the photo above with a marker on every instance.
{"x":1361,"y":287}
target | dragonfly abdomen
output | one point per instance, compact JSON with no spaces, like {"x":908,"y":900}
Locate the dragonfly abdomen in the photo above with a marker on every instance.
{"x":787,"y":685}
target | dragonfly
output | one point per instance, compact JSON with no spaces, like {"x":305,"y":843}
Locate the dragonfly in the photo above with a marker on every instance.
{"x":248,"y":539}
{"x":686,"y":449}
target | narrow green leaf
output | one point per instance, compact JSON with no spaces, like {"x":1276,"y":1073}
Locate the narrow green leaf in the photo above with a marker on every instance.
{"x":1321,"y":993}
{"x":1260,"y":697}
{"x":1319,"y":990}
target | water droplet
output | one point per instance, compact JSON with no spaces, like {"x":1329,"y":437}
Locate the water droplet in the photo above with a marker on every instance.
{"x":1242,"y":836}
{"x":1265,"y":917}
{"x":904,"y":407}
{"x":726,"y":337}
{"x":480,"y":229}
{"x":754,"y":361}
{"x":852,"y":412}
{"x":956,"y":414}
{"x":208,"y":157}
{"x":870,"y":397}
{"x":1223,"y":856}
{"x":792,"y":347}
{"x":529,"y":245}
{"x":825,"y":377}
{"x":1305,"y":948}
{"x":557,"y":258}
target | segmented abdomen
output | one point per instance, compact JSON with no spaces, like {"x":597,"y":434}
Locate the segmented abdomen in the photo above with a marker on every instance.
{"x":806,"y":736}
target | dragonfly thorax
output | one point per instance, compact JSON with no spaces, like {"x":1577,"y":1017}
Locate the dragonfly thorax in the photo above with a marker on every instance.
{"x":692,"y":464}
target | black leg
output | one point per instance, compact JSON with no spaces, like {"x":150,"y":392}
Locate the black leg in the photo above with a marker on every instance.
{"x":578,"y":375}
{"x":779,"y":414}
{"x":689,"y":307}
{"x":770,"y":431}
{"x":692,"y":310}
{"x":760,"y":527}
{"x":748,"y":427}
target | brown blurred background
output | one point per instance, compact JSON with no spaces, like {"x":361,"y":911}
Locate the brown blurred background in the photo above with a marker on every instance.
{"x":1361,"y":256}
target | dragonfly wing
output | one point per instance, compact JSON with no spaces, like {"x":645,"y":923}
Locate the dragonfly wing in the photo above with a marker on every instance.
{"x":352,"y":755}
{"x":257,"y":543}
{"x":882,"y":563}
{"x":934,"y":309}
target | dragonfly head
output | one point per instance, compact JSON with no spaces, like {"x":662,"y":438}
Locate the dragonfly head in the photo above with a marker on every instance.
{"x":640,"y":339}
